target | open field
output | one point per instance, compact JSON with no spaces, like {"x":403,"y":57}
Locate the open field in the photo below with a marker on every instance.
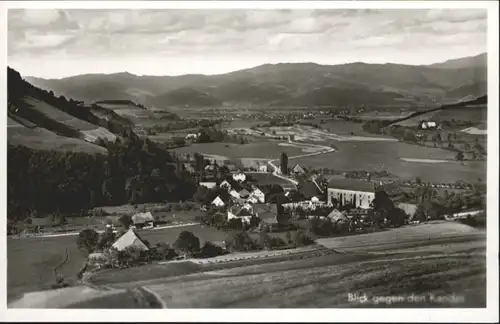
{"x":342,"y":127}
{"x":388,"y":156}
{"x":59,"y":115}
{"x":311,"y":134}
{"x":474,"y":113}
{"x":428,"y":265}
{"x":43,"y":139}
{"x":261,"y":149}
{"x":267,"y":178}
{"x":31,"y":261}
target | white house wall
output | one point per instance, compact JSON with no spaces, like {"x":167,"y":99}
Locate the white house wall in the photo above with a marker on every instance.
{"x":359,"y":199}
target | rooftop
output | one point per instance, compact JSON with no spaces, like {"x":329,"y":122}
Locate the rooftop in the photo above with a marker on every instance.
{"x":354,"y":185}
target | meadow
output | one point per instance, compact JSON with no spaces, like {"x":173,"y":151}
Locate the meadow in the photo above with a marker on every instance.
{"x":257,"y":149}
{"x":439,"y":266}
{"x":43,"y":139}
{"x":31,"y":261}
{"x":59,"y":115}
{"x":378,"y":156}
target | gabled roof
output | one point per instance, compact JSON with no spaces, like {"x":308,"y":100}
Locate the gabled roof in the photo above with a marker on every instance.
{"x":298,"y":168}
{"x":257,"y":190}
{"x":244,"y":193}
{"x":218,"y":200}
{"x":141,"y":218}
{"x":350,"y":184}
{"x":130,"y":238}
{"x":268,"y":217}
{"x":336,"y":216}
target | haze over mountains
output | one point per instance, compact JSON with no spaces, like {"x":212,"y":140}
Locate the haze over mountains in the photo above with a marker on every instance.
{"x":286,"y":84}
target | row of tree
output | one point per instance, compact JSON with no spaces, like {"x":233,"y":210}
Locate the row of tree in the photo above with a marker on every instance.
{"x":134,"y":171}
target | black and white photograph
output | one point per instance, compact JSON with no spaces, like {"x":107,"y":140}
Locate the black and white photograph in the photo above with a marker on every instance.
{"x":227,"y":156}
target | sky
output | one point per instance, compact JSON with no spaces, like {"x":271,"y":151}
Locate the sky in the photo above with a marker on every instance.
{"x":53,"y":43}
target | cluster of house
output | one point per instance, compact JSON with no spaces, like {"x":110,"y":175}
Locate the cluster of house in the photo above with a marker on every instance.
{"x":242,"y":197}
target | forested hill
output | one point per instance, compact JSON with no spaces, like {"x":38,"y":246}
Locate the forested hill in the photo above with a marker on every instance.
{"x":42,"y":182}
{"x":134,"y":171}
{"x":65,"y":117}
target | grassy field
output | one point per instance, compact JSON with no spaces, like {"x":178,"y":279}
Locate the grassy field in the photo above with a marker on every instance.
{"x":43,"y":139}
{"x":425,"y":261}
{"x":476,"y":114}
{"x":267,"y":178}
{"x":30,"y":261}
{"x":377,"y":156}
{"x":59,"y":115}
{"x":261,"y":149}
{"x":433,"y":266}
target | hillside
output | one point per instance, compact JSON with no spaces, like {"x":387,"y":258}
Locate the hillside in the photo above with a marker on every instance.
{"x":38,"y":119}
{"x":188,"y":97}
{"x":474,"y":111}
{"x":272,"y":83}
{"x":341,"y":97}
{"x":477,"y":61}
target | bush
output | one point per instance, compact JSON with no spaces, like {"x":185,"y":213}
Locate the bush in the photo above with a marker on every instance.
{"x":88,"y":240}
{"x":302,"y":238}
{"x":162,"y":252}
{"x":210,"y":250}
{"x":235,"y":224}
{"x":187,"y":242}
{"x":106,"y":239}
{"x":240,"y":241}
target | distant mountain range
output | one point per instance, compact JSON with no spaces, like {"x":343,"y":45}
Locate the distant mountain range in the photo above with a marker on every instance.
{"x":286,"y":84}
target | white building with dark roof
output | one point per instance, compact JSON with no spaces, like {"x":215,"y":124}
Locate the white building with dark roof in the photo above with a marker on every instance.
{"x":354,"y":192}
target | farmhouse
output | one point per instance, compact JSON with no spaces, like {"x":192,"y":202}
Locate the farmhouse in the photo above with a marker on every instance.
{"x":338,"y":217}
{"x":297,"y":170}
{"x":258,"y":195}
{"x":192,"y":136}
{"x":234,"y":194}
{"x":357,"y":193}
{"x":188,"y":167}
{"x":427,"y":124}
{"x":218,"y":202}
{"x":129,"y":239}
{"x":314,"y":199}
{"x":465,"y":214}
{"x":143,"y":219}
{"x":239,"y":212}
{"x":409,"y":209}
{"x":244,"y":193}
{"x":208,"y":184}
{"x":225,"y":185}
{"x":239,"y":176}
{"x":263,"y":168}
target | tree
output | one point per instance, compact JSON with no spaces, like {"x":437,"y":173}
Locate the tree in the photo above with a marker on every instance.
{"x":284,"y":163}
{"x":126,"y":221}
{"x":187,"y":242}
{"x":210,"y":250}
{"x":459,"y":156}
{"x":106,"y":240}
{"x":240,"y":241}
{"x":87,"y":240}
{"x":235,"y":224}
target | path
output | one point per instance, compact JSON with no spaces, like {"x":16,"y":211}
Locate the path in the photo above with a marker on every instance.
{"x":275,"y":168}
{"x":101,"y":231}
